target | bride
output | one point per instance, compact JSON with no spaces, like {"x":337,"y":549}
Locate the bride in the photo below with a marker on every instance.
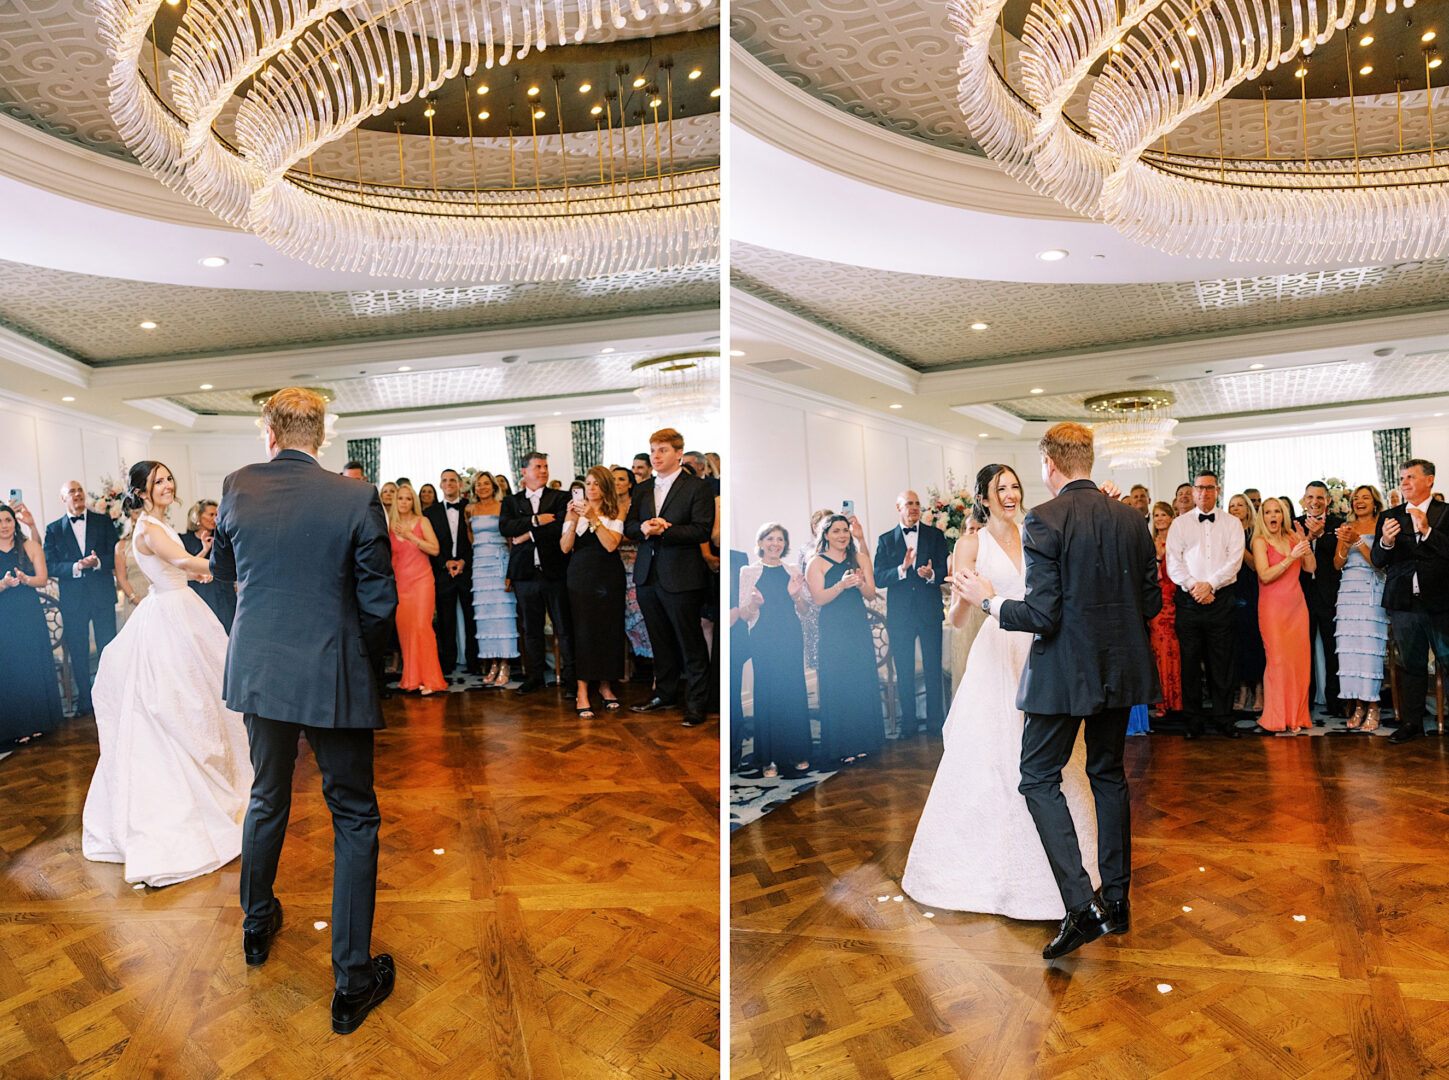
{"x":976,"y":847}
{"x":172,"y":783}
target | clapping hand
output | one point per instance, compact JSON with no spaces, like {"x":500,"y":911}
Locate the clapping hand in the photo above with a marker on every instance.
{"x":1391,"y":530}
{"x":1346,"y":533}
{"x":926,"y":571}
{"x":10,"y":580}
{"x":797,"y":582}
{"x":1315,"y":527}
{"x":654,"y":526}
{"x":1419,"y":518}
{"x":851,"y":579}
{"x":910,"y":559}
{"x":1303,"y":544}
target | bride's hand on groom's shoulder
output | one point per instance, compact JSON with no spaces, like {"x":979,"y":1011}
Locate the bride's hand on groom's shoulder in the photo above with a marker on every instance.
{"x":1109,"y":489}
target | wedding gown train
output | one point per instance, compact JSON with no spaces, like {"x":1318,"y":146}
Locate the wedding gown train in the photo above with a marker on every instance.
{"x":174,"y":776}
{"x":976,"y":847}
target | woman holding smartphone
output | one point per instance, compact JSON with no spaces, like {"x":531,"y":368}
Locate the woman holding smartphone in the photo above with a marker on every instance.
{"x":592,"y":532}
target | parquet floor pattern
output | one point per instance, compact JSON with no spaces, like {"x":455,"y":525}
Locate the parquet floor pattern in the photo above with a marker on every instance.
{"x":549,"y":888}
{"x":1290,"y":919}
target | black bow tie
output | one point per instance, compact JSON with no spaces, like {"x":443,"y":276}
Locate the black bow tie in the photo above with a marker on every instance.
{"x":454,"y":505}
{"x":907,"y":531}
{"x":1207,"y":517}
{"x":77,"y":517}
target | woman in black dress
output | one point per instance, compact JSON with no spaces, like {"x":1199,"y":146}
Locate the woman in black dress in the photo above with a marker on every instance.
{"x":592,"y":531}
{"x":770,"y":594}
{"x":31,"y":697}
{"x":852,"y":723}
{"x":1249,"y":659}
{"x":220,"y":596}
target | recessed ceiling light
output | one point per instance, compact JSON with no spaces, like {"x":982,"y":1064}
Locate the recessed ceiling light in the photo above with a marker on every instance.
{"x":1436,"y":61}
{"x":404,"y":367}
{"x":596,"y":110}
{"x":483,"y":115}
{"x":655,"y":103}
{"x":584,"y":88}
{"x":1037,"y":390}
{"x":1438,"y":414}
{"x":980,"y":326}
{"x":538,"y":114}
{"x":155,"y":427}
{"x":696,"y":73}
{"x":714,"y":92}
{"x":206,"y":386}
{"x":533,"y":91}
{"x":607,"y":348}
{"x":897,"y":405}
{"x":214,"y":260}
{"x":148,"y":325}
{"x":72,"y":399}
{"x":428,"y":112}
{"x":638,"y":82}
{"x":1428,"y":35}
{"x":1300,"y":73}
{"x":1052,"y":255}
{"x":1367,"y":69}
{"x":558,"y":414}
{"x":982,"y":435}
{"x":1365,"y":41}
{"x":737,"y":352}
{"x":1255,"y":367}
{"x":482,"y":88}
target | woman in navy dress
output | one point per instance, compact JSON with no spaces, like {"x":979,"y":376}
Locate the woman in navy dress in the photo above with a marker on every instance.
{"x":592,"y":531}
{"x":220,"y":596}
{"x":31,"y":702}
{"x":770,"y":596}
{"x":852,"y":723}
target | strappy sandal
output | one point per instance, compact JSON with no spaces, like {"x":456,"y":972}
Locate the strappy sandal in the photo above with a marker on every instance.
{"x":1356,"y":719}
{"x":612,"y":704}
{"x":1372,"y":723}
{"x":585,"y":712}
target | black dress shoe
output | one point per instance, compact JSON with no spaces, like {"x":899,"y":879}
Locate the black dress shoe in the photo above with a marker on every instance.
{"x":1230,"y":731}
{"x":1079,"y":927}
{"x":349,"y":1010}
{"x":1407,"y":733}
{"x":1119,"y":915}
{"x":529,"y":686}
{"x":654,"y":704}
{"x":690,"y":720}
{"x":257,"y":944}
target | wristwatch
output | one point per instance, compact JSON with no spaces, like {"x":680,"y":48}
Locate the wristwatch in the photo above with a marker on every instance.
{"x":986,"y":605}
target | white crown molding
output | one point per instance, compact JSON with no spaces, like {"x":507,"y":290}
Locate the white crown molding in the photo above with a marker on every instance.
{"x":19,"y":349}
{"x":165,"y":410}
{"x":44,"y":409}
{"x":759,"y":318}
{"x":993,"y":416}
{"x":608,"y":403}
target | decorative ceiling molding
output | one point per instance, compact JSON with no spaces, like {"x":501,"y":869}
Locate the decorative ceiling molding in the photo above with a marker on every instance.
{"x":1001,"y":419}
{"x":165,"y":409}
{"x":20,"y":349}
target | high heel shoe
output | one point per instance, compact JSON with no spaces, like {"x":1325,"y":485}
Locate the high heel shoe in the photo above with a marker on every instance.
{"x":1356,"y":719}
{"x":1372,"y":723}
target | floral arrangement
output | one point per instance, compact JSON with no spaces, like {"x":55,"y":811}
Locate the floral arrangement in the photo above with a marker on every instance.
{"x":1339,"y":497}
{"x":108,"y":501}
{"x":948,"y":512}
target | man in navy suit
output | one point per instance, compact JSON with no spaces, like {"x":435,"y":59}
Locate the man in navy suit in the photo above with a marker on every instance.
{"x":453,"y":576}
{"x":80,"y":550}
{"x":532,"y":521}
{"x":910,"y":564}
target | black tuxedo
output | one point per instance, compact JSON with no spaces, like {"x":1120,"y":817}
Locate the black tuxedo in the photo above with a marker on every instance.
{"x":452,"y":592}
{"x":1420,"y":620}
{"x":540,"y":588}
{"x":1320,"y":593}
{"x":1091,"y":588}
{"x":87,"y":602}
{"x":913,"y":612}
{"x":672,"y":581}
{"x":310,"y":554}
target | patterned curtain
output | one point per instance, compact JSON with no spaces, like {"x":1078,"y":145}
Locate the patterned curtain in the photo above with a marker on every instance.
{"x":1210,"y":458}
{"x":369,"y":452}
{"x":588,"y":436}
{"x":1391,"y":450}
{"x":520,"y":439}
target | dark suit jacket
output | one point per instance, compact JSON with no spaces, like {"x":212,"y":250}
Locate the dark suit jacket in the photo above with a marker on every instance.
{"x":515,"y":518}
{"x":310,"y":553}
{"x":1320,"y":588}
{"x":1091,"y":587}
{"x":913,"y":597}
{"x":689,"y":509}
{"x":1429,"y":559}
{"x":94,"y":587}
{"x":437,"y":517}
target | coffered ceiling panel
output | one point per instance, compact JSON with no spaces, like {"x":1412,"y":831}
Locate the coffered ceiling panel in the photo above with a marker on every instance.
{"x":925,"y":321}
{"x":97,"y":319}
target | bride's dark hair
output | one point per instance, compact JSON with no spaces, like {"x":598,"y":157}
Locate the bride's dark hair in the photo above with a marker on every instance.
{"x":981,"y":504}
{"x":138,"y":485}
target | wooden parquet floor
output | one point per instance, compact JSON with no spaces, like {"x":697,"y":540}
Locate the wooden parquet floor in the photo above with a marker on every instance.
{"x":1316,"y":872}
{"x":549,"y":888}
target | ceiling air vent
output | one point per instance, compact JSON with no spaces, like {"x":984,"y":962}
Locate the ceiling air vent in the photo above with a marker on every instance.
{"x":784,"y":366}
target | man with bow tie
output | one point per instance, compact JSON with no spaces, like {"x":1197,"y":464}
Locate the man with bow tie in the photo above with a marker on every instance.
{"x":910,"y":564}
{"x":453,"y":575}
{"x":1320,"y":592}
{"x":80,"y":551}
{"x":1204,"y":555}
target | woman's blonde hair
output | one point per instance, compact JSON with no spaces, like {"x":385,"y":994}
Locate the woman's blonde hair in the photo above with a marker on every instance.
{"x":1260,"y":527}
{"x":1168,"y":509}
{"x":193,"y":516}
{"x":394,"y":520}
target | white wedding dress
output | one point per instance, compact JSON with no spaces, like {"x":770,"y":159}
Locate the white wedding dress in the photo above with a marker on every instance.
{"x":171,"y":787}
{"x":976,"y":847}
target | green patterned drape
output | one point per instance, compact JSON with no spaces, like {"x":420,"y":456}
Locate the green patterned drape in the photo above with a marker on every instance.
{"x":521,"y":440}
{"x":588,"y":437}
{"x":1391,"y":449}
{"x":1210,"y":458}
{"x":369,"y":452}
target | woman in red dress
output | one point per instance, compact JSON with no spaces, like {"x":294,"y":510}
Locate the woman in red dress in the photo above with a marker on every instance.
{"x":1283,"y":618}
{"x":1163,"y":626}
{"x":413,"y":540}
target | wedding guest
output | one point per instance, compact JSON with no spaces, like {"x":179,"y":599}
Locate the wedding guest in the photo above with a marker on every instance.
{"x":1248,"y":657}
{"x":533,"y":520}
{"x":1288,"y":507}
{"x":80,"y":552}
{"x":643,"y":469}
{"x":354,"y":470}
{"x":910,"y":564}
{"x":576,"y":489}
{"x":1254,"y":496}
{"x":556,"y":485}
{"x":1363,"y":625}
{"x":669,"y":519}
{"x":700,"y":465}
{"x":715,"y":466}
{"x":220,"y":596}
{"x":453,"y":575}
{"x":427,"y":495}
{"x":810,"y":617}
{"x":495,"y":610}
{"x":739,"y":657}
{"x":1163,"y":628}
{"x":385,"y":495}
{"x":771,"y":598}
{"x":27,"y":665}
{"x":1320,"y":591}
{"x":852,"y":724}
{"x":1141,"y":499}
{"x":1413,"y":550}
{"x":1396,"y":498}
{"x":414,"y":545}
{"x":634,"y":629}
{"x":132,"y":583}
{"x":505,"y":489}
{"x":596,"y":585}
{"x":1283,"y":618}
{"x":1204,"y":554}
{"x":1182,"y":502}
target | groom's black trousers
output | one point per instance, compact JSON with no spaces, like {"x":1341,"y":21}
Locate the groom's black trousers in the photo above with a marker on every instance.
{"x":344,"y":756}
{"x":1046,"y":747}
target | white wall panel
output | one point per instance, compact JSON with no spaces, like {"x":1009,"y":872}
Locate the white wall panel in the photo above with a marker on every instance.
{"x":62,"y":460}
{"x":837,"y":467}
{"x":767,"y":472}
{"x":102,"y":454}
{"x":20,"y":465}
{"x":928,"y":466}
{"x":887,"y":473}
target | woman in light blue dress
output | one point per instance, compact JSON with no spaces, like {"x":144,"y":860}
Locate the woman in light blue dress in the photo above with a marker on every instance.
{"x":494,"y":607}
{"x":1362,"y":626}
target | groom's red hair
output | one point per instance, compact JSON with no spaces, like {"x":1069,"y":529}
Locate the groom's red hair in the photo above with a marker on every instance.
{"x":1069,"y":447}
{"x":297,"y":417}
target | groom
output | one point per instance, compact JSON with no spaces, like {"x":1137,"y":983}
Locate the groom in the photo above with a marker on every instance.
{"x":1091,"y":587}
{"x":310,"y":553}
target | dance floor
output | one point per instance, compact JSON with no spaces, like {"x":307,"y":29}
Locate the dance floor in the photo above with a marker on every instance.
{"x":1290,"y":919}
{"x":549,"y":888}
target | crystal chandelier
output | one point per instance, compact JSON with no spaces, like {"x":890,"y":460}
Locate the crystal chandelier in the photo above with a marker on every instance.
{"x":1336,"y":97}
{"x":679,"y":387}
{"x":1138,"y":428}
{"x":253,"y":89}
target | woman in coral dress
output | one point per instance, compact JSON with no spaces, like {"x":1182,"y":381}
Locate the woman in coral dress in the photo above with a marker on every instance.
{"x":1163,"y":626}
{"x":1283,"y":618}
{"x":413,"y":541}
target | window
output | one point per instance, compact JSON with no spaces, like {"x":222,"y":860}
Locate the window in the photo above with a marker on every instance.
{"x":625,"y":436}
{"x":1285,"y":466}
{"x":422,"y":455}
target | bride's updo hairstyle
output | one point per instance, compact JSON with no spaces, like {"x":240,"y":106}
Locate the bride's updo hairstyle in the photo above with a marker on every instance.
{"x":981,"y":507}
{"x":138,"y":485}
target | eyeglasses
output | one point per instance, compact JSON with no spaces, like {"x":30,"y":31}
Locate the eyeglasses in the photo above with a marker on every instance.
{"x":1205,"y":487}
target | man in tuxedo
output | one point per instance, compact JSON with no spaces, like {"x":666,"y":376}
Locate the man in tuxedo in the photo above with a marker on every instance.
{"x":80,"y":549}
{"x":699,"y":465}
{"x":1091,"y":587}
{"x":1411,"y":543}
{"x":310,"y":554}
{"x":532,"y":520}
{"x":910,"y":565}
{"x":453,"y":575}
{"x":1320,"y":591}
{"x":643,"y":470}
{"x":670,"y":518}
{"x":354,"y":470}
